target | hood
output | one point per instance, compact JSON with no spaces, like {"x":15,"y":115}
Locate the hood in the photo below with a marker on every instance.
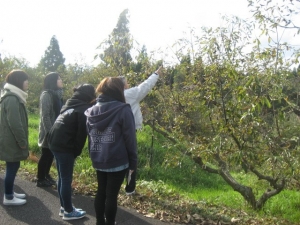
{"x":74,"y":103}
{"x":100,"y":116}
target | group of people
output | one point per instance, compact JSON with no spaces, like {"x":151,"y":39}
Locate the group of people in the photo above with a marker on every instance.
{"x":107,"y":116}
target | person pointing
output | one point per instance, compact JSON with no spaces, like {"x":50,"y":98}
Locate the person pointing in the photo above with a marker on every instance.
{"x":134,"y":96}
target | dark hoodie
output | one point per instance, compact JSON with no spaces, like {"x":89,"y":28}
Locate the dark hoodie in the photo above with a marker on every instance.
{"x":68,"y":134}
{"x":111,"y":134}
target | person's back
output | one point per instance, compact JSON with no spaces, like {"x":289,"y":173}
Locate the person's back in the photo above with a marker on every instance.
{"x":112,"y":145}
{"x":68,"y":134}
{"x":66,"y":140}
{"x":136,"y":94}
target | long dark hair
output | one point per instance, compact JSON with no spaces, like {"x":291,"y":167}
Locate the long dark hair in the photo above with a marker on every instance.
{"x":112,"y":87}
{"x":16,"y":78}
{"x":50,"y":84}
{"x":50,"y":81}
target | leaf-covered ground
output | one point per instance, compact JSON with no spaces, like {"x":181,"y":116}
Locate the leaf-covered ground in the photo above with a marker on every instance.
{"x":154,"y":201}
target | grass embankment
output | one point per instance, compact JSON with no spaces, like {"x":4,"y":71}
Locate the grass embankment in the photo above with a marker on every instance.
{"x":179,"y":191}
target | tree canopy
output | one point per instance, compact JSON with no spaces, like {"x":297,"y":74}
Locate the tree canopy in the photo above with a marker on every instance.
{"x":116,"y":48}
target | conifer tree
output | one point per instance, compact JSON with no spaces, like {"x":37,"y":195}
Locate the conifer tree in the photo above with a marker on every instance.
{"x":53,"y":57}
{"x":116,"y":49}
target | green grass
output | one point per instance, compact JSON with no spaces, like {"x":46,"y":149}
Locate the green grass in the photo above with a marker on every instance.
{"x":191,"y":181}
{"x":285,"y":205}
{"x":33,"y":129}
{"x":180,"y":176}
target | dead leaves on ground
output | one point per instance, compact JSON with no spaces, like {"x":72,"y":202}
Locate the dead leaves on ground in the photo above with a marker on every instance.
{"x":171,"y":208}
{"x":177,"y":210}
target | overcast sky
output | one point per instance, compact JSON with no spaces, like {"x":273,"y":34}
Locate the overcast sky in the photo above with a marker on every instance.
{"x":26,"y":26}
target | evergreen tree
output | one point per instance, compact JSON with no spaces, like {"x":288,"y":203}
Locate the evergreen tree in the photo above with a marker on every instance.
{"x":142,"y":60}
{"x":116,"y":49}
{"x":53,"y":58}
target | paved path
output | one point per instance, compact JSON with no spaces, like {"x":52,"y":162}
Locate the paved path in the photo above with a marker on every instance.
{"x":43,"y":205}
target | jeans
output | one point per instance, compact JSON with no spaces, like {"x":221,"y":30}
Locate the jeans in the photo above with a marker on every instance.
{"x":109,"y":184}
{"x":11,"y":172}
{"x":44,"y":164}
{"x":65,"y":164}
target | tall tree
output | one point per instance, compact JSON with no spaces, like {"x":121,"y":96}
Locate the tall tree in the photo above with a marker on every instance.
{"x":53,"y":57}
{"x":141,"y":59}
{"x":116,"y":48}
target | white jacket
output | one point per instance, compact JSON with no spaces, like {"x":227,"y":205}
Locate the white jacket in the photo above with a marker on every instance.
{"x":134,"y":95}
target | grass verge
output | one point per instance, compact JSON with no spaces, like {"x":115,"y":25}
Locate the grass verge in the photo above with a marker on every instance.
{"x":177,"y":192}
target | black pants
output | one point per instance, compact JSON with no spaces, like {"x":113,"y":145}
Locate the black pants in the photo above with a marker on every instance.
{"x":131,"y":186}
{"x":44,"y":164}
{"x":109,"y":184}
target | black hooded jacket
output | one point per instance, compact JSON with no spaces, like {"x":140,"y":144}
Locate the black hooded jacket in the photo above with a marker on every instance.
{"x":112,"y":137}
{"x":68,"y":134}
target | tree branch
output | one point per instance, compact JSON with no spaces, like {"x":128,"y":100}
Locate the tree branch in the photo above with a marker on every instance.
{"x":164,"y":133}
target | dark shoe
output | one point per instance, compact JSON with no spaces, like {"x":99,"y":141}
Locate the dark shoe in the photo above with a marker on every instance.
{"x":130,"y":193}
{"x":43,"y":183}
{"x":51,"y":180}
{"x":106,"y":223}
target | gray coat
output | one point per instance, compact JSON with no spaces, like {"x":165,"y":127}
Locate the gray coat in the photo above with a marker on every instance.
{"x":13,"y":128}
{"x":47,"y":118}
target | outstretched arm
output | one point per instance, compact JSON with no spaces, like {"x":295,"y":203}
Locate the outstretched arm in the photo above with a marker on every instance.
{"x":159,"y":71}
{"x":136,"y":94}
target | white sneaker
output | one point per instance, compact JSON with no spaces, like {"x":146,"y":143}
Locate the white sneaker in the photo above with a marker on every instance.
{"x":19,"y":195}
{"x":14,"y":201}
